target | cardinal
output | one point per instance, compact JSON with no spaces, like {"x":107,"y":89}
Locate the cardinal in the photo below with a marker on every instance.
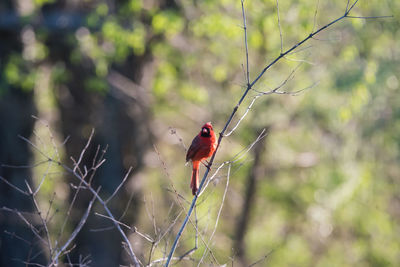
{"x":202,"y":147}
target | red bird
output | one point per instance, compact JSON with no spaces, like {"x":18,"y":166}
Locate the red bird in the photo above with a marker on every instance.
{"x":202,"y":147}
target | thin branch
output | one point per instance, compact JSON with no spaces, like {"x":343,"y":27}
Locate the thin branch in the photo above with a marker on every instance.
{"x":246,"y":43}
{"x":152,"y":215}
{"x":300,"y":50}
{"x":51,"y":201}
{"x":279,"y":24}
{"x":52,"y":139}
{"x":30,"y":225}
{"x":243,"y":116}
{"x":100,"y":161}
{"x":242,"y":153}
{"x":169,"y":227}
{"x":295,"y":93}
{"x":147,"y":237}
{"x":120,"y":185}
{"x":190,"y":251}
{"x":84,"y":150}
{"x":261,"y":260}
{"x":78,"y":188}
{"x":180,"y":139}
{"x":219,"y":213}
{"x":300,"y":60}
{"x":315,"y":15}
{"x":31,"y":166}
{"x":75,"y":232}
{"x":373,"y":17}
{"x":165,"y":258}
{"x":29,"y":263}
{"x":126,"y":207}
{"x":13,"y":186}
{"x":351,"y":7}
{"x":177,"y":195}
{"x":132,"y":255}
{"x":34,"y":146}
{"x":45,"y":174}
{"x":311,"y":35}
{"x":13,"y":235}
{"x":275,"y":90}
{"x":292,"y":93}
{"x":44,"y":223}
{"x":113,"y":220}
{"x":213,"y":176}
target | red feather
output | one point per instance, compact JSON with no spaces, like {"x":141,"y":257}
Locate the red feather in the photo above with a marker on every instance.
{"x":202,"y":147}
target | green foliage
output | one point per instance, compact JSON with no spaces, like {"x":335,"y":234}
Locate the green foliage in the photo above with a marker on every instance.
{"x":17,"y":74}
{"x":96,"y":84}
{"x":124,"y":40}
{"x":167,"y":22}
{"x":39,"y":3}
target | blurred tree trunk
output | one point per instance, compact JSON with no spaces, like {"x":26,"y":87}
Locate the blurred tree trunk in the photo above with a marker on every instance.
{"x":120,"y":123}
{"x":16,"y":108}
{"x":256,"y":172}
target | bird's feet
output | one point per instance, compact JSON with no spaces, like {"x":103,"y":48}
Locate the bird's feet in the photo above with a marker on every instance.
{"x":206,"y":164}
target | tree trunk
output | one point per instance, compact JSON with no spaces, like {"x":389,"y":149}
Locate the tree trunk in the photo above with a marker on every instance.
{"x":16,"y":108}
{"x":251,"y":187}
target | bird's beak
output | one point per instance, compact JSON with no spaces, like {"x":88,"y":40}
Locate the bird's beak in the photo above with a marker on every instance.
{"x":205,"y":130}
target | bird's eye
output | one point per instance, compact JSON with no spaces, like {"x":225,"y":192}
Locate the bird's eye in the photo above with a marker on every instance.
{"x":205,"y":131}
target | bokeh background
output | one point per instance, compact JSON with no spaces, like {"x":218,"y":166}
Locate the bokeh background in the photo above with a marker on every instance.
{"x":321,"y":189}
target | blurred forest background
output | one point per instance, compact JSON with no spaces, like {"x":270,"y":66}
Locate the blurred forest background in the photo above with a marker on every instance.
{"x":321,"y":189}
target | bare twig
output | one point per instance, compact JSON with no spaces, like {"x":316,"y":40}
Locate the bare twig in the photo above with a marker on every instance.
{"x":126,"y":207}
{"x":173,"y":131}
{"x":244,"y":115}
{"x":260,"y":260}
{"x":246,"y":43}
{"x":279,"y":24}
{"x":44,"y":223}
{"x":132,"y":255}
{"x":242,"y":153}
{"x":26,"y":221}
{"x":71,"y":205}
{"x":372,"y":17}
{"x":315,"y":15}
{"x":87,"y":186}
{"x":52,"y":139}
{"x":213,"y":176}
{"x":148,"y":238}
{"x":45,"y":174}
{"x":178,"y":196}
{"x":120,"y":185}
{"x":84,"y":150}
{"x":219,"y":213}
{"x":273,"y":91}
{"x":113,"y":220}
{"x":31,"y":166}
{"x":34,"y":146}
{"x":351,"y":7}
{"x":13,"y":235}
{"x":74,"y":233}
{"x":13,"y":186}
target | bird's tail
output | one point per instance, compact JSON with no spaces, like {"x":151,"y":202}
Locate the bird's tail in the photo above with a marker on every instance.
{"x":194,"y":182}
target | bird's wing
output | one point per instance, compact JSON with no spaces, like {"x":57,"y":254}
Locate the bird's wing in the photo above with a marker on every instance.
{"x":194,"y":148}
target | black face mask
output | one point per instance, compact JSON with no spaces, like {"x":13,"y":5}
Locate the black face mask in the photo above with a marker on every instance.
{"x":205,"y":132}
